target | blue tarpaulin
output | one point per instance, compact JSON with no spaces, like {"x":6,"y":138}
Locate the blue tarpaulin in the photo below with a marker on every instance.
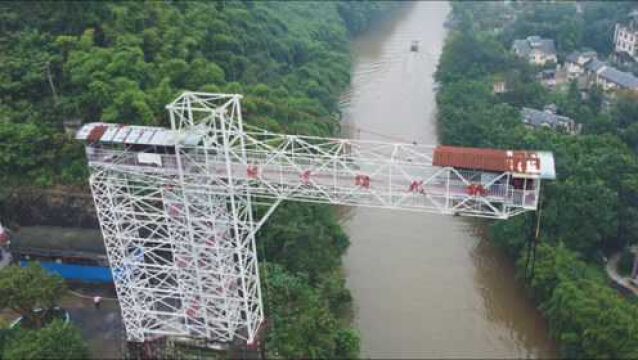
{"x":84,"y":273}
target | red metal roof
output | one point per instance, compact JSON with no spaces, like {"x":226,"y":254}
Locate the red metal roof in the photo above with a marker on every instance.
{"x":487,"y":159}
{"x":96,"y":133}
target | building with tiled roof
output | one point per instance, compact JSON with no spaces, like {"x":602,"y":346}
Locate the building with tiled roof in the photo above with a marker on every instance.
{"x":536,"y":50}
{"x":547,"y":118}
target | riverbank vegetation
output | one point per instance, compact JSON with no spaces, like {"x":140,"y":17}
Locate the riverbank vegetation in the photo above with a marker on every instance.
{"x":591,"y":210}
{"x":122,"y":62}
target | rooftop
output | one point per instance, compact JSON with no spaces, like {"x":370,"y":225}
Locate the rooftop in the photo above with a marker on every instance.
{"x":580,"y":57}
{"x":573,"y":57}
{"x":594,"y":65}
{"x":532,"y":163}
{"x":623,"y":79}
{"x":131,"y":134}
{"x":538,"y":118}
{"x":525,"y":46}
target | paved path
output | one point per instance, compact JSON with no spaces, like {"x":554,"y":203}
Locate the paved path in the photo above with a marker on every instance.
{"x":102,"y":328}
{"x":612,"y":272}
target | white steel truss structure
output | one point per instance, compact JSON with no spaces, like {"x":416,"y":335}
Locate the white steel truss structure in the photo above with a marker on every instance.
{"x":176,"y":206}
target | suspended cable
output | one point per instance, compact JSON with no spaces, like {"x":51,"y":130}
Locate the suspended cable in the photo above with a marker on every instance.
{"x":533,"y":240}
{"x":377,"y":133}
{"x":538,"y":229}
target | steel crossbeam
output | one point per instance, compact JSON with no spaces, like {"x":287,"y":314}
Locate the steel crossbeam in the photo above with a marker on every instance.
{"x":180,"y":232}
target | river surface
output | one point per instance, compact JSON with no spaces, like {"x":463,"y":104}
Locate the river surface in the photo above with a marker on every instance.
{"x":424,"y":285}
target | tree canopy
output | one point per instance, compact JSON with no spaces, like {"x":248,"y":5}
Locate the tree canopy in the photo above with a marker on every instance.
{"x":54,"y":341}
{"x":25,"y":289}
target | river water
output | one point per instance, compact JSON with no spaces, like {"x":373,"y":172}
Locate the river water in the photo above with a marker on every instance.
{"x":424,"y":285}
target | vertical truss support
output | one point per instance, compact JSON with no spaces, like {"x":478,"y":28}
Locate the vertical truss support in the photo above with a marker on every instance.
{"x":218,"y":118}
{"x":109,"y":198}
{"x":183,"y":258}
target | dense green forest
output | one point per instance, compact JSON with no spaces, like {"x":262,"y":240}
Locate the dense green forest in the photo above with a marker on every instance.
{"x":591,"y":210}
{"x":123,"y":61}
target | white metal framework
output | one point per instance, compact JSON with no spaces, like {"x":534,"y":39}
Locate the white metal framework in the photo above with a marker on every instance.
{"x":176,"y":206}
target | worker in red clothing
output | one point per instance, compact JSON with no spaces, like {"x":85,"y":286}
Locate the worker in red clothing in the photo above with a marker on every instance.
{"x":305,"y":177}
{"x":362,"y":180}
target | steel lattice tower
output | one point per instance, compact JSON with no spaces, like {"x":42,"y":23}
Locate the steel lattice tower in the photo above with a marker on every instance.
{"x":176,"y":206}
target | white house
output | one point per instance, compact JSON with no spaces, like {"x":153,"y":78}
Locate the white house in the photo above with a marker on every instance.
{"x":536,"y":50}
{"x":626,"y":38}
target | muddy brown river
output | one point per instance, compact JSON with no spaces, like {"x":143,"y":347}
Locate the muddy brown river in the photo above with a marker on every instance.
{"x":424,"y":286}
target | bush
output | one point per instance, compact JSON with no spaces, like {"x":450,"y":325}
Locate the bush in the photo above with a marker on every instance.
{"x":55,"y":341}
